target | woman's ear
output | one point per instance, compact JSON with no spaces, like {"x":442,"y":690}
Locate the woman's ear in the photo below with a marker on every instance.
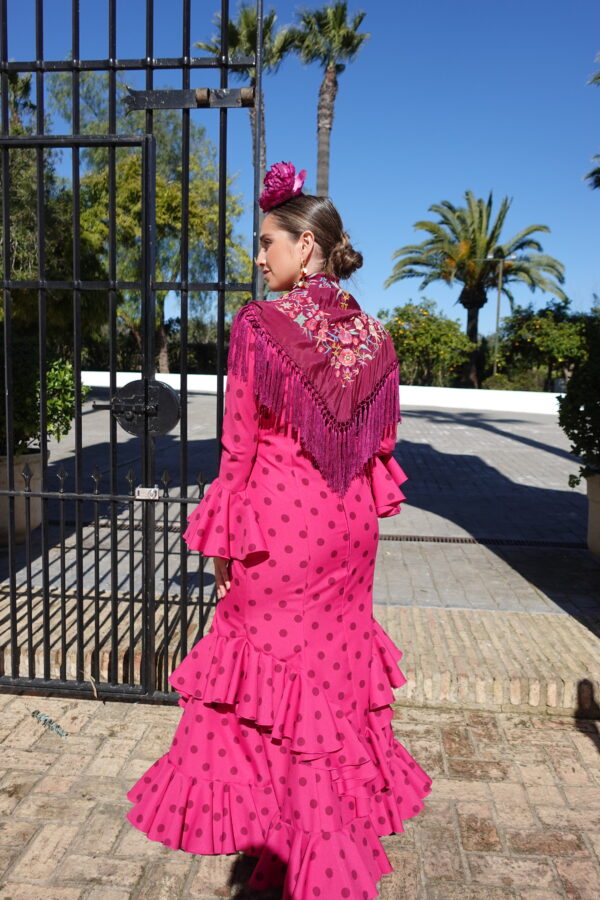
{"x":307,"y":242}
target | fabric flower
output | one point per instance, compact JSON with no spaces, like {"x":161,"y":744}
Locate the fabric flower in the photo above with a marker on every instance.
{"x":347,"y":358}
{"x":281,"y":182}
{"x":344,"y":336}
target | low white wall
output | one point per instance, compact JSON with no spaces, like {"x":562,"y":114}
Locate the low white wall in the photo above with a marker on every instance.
{"x":492,"y":401}
{"x":410,"y":395}
{"x":197,"y":384}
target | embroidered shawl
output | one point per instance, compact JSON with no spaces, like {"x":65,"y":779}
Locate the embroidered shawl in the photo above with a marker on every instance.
{"x":329,"y":371}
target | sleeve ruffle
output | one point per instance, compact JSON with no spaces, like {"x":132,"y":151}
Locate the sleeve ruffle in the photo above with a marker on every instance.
{"x":225,"y":524}
{"x":385,"y":478}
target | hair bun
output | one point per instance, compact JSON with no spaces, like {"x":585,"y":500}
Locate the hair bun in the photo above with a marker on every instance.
{"x":344,"y":259}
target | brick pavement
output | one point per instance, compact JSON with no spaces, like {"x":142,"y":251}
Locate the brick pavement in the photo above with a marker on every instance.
{"x":514,"y":812}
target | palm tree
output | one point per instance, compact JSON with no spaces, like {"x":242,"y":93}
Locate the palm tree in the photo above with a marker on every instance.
{"x":242,"y":42}
{"x":594,"y":176}
{"x":327,"y":37}
{"x":465,"y":245}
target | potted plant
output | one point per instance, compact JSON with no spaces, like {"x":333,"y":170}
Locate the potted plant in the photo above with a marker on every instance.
{"x":26,"y":432}
{"x":579,"y":417}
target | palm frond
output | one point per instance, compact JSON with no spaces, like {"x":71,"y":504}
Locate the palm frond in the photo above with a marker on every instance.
{"x":328,"y":37}
{"x":593,"y":177}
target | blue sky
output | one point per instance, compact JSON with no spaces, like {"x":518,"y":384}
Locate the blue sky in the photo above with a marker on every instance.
{"x":442,"y":98}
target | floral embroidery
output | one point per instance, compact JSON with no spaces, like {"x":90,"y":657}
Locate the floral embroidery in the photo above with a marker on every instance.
{"x":350,"y":344}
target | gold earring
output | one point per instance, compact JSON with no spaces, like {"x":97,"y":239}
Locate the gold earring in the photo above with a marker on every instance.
{"x":303,"y":274}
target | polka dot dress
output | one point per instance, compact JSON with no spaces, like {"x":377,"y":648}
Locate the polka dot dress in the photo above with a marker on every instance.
{"x":285,"y":748}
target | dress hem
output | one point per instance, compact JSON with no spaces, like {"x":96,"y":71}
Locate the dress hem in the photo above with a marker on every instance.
{"x":378,"y":782}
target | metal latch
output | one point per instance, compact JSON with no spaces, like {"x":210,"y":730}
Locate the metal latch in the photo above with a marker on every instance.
{"x":147,"y":493}
{"x":142,"y":407}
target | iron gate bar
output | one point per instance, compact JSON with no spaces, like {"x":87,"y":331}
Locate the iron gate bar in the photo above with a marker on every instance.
{"x":76,"y":195}
{"x":258,"y":102}
{"x":42,"y":319}
{"x":7,"y":298}
{"x":74,"y":140}
{"x":148,"y":372}
{"x":79,"y":690}
{"x":103,"y":286}
{"x":116,"y":65}
{"x":224,"y":84}
{"x":184,"y":307}
{"x":112,"y":337}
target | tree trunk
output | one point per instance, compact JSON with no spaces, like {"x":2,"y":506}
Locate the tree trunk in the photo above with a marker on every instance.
{"x":163,"y":352}
{"x":327,"y":95}
{"x":161,"y":349}
{"x":472,"y":334}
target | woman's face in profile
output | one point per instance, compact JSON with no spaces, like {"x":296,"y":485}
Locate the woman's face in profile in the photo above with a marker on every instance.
{"x":280,"y":256}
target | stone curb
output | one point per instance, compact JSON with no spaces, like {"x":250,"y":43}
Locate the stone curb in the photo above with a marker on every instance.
{"x":496,"y":661}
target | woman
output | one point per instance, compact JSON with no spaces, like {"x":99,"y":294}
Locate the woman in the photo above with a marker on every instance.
{"x":285,"y":748}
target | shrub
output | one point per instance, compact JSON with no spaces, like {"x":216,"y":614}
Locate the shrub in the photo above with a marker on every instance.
{"x":431,"y":348}
{"x":60,"y":407}
{"x":579,"y":412}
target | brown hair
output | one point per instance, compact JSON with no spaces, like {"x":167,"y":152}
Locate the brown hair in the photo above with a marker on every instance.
{"x":318,"y":214}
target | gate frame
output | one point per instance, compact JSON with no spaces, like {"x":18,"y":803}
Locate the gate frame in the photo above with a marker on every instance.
{"x":147,"y":689}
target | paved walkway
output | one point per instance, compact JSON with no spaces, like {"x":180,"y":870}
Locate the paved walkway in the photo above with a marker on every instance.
{"x":514,"y":812}
{"x":485,"y":583}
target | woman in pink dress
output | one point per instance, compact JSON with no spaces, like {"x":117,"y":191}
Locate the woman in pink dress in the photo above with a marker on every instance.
{"x":285,"y":748}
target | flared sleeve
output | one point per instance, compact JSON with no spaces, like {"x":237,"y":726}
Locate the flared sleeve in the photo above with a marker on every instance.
{"x":386,"y":476}
{"x":225,"y":523}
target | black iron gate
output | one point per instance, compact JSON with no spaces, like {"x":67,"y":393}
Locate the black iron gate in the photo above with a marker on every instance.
{"x":98,"y":595}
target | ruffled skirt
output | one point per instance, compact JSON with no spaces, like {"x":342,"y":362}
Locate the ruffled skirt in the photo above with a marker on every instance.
{"x":264,"y":762}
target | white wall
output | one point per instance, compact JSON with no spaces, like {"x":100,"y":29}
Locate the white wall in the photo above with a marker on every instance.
{"x":410,"y":395}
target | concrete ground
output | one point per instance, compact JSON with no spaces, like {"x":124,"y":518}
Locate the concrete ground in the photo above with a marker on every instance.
{"x":485,"y":583}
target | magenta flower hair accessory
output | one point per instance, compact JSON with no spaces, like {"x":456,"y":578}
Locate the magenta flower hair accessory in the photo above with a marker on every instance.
{"x":281,"y":182}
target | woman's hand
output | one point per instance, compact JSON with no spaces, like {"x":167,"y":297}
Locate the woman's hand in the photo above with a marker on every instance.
{"x":222,"y":575}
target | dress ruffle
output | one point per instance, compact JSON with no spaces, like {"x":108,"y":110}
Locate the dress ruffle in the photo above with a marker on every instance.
{"x":378,"y":782}
{"x":385,"y":478}
{"x":198,"y":815}
{"x":225,"y":524}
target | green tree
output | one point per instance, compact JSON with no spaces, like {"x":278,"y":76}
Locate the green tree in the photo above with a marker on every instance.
{"x":430,"y":347}
{"x":203,"y":203}
{"x":594,"y":176}
{"x":552,"y":338}
{"x":24,"y":249}
{"x":465,"y":245}
{"x":328,"y":37}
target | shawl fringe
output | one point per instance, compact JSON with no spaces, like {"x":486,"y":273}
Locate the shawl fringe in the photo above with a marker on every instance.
{"x":339,"y":450}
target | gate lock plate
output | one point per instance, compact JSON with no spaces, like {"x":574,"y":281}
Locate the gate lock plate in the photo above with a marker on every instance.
{"x":132,"y":407}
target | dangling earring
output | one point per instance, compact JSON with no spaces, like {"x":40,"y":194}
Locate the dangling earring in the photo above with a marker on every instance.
{"x":303,"y":274}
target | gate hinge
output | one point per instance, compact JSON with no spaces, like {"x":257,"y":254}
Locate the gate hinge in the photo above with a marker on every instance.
{"x":147,"y":493}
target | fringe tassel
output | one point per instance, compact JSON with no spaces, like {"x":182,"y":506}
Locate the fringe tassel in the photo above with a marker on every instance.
{"x":339,"y":452}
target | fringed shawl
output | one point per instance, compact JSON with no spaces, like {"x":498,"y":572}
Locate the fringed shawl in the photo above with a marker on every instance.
{"x":331,"y":372}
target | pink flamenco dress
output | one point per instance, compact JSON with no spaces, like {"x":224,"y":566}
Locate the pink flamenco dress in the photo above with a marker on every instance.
{"x":285,"y":748}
